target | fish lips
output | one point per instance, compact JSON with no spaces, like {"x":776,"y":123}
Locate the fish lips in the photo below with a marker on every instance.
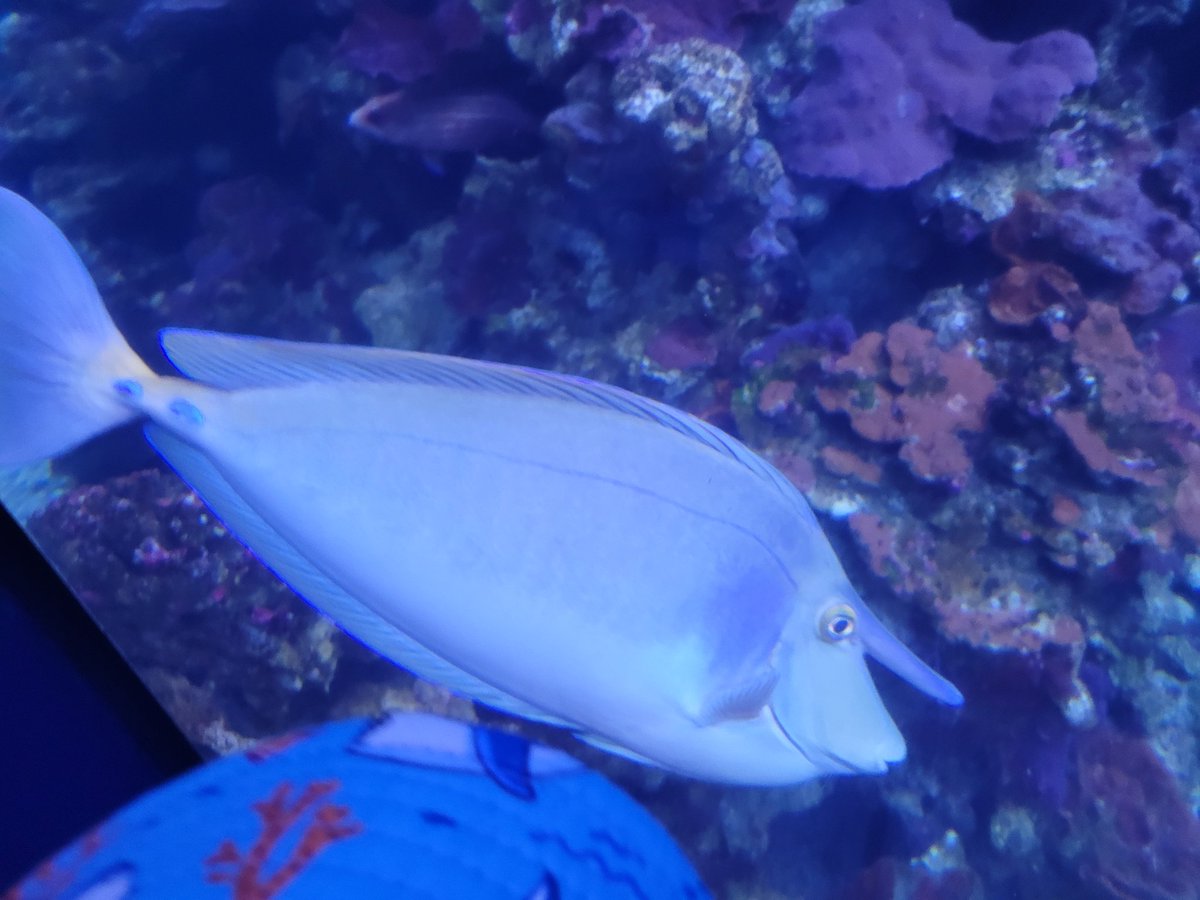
{"x":829,"y":709}
{"x":827,"y":706}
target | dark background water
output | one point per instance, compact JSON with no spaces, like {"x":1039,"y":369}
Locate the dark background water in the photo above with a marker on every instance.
{"x":81,"y":735}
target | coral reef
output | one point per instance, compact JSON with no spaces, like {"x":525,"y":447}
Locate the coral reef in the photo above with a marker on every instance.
{"x":1113,"y":227}
{"x":224,"y":645}
{"x":1144,"y":840}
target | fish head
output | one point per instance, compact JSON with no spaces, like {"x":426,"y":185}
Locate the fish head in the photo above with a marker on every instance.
{"x":826,"y":702}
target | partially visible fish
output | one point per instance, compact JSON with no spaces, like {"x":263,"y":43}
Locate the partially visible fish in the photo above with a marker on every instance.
{"x":486,"y":123}
{"x":550,"y":546}
{"x":412,"y":806}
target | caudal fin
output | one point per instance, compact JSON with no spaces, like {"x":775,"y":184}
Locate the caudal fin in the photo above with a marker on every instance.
{"x":59,"y":351}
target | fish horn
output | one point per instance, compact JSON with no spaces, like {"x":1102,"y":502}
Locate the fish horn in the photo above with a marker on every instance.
{"x":890,"y":652}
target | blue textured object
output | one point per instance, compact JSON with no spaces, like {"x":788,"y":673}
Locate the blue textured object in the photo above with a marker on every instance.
{"x":402,"y":807}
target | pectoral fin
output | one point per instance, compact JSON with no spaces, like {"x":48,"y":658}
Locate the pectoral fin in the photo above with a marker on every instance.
{"x":744,"y":700}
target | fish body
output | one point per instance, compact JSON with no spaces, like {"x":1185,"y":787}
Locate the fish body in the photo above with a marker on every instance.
{"x":467,"y":122}
{"x":412,"y":806}
{"x":643,"y":628}
{"x":550,"y":546}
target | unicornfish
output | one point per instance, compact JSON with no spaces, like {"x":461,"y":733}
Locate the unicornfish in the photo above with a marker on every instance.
{"x":544,"y":544}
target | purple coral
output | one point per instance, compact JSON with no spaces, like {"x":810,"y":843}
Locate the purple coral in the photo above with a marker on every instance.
{"x":1176,"y":352}
{"x":1117,"y":227}
{"x":895,"y":78}
{"x":1144,"y":840}
{"x":485,"y":263}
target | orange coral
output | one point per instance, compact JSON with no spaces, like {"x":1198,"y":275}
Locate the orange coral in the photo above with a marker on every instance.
{"x":1033,"y":287}
{"x":1099,"y":457}
{"x":901,"y":387}
{"x":845,"y":462}
{"x":1104,"y":347}
{"x":1029,"y":290}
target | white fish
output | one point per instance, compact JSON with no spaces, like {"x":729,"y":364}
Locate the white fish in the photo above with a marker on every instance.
{"x":544,"y":544}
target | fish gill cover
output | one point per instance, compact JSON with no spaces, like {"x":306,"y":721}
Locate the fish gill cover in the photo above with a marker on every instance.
{"x":941,"y":277}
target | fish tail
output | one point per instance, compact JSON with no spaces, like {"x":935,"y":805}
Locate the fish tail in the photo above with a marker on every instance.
{"x":64,"y":367}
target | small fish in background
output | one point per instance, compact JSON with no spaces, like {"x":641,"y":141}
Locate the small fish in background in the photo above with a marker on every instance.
{"x":411,"y":806}
{"x":153,"y":15}
{"x":487,"y":123}
{"x":546,"y":545}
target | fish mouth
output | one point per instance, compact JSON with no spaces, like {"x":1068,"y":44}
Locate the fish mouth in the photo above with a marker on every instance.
{"x":828,"y":708}
{"x":831,"y":711}
{"x":830,"y":762}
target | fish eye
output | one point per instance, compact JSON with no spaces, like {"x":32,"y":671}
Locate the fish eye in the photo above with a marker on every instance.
{"x":837,"y":622}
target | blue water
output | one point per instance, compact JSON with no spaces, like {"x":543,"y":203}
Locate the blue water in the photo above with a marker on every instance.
{"x":944,"y":283}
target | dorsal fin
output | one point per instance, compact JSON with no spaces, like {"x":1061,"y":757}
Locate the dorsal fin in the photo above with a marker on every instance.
{"x":240,"y":361}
